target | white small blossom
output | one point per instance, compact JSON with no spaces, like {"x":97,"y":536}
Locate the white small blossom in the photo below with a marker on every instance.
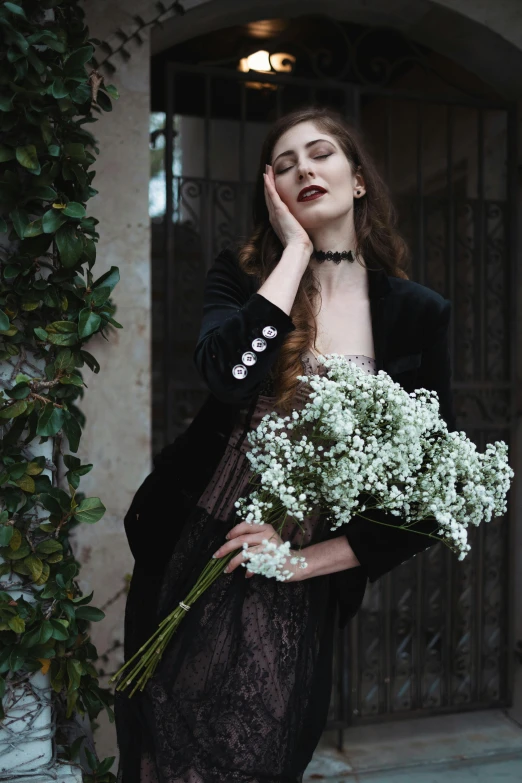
{"x":361,"y":442}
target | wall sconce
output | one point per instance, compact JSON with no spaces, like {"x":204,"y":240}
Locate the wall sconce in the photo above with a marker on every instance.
{"x":264,"y":62}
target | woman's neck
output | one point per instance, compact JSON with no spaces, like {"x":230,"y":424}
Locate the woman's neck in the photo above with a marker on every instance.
{"x":346,"y":278}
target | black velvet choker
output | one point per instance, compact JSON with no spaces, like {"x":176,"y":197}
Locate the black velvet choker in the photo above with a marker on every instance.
{"x":335,"y":256}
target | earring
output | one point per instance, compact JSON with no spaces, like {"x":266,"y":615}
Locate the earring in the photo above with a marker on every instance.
{"x":357,"y":192}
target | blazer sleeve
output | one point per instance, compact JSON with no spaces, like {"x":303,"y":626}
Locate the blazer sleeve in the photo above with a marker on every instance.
{"x":233,"y":322}
{"x":376,"y":546}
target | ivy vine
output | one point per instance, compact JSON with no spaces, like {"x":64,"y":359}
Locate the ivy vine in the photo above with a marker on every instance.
{"x":51,"y":304}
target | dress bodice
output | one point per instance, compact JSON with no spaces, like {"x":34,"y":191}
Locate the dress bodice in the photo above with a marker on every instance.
{"x":312,"y":365}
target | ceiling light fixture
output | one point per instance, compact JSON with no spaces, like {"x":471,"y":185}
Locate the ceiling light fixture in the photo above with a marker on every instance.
{"x":264,"y":62}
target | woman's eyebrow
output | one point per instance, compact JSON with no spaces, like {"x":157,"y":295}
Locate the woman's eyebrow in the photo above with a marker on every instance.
{"x":292,"y":152}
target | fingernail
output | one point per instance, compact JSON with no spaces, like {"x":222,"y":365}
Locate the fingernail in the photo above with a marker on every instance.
{"x":225,"y":569}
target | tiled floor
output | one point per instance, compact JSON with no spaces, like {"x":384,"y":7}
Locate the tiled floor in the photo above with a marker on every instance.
{"x":476,"y":746}
{"x":493,"y":771}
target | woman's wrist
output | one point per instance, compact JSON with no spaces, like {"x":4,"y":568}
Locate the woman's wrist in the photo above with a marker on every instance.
{"x":281,"y":285}
{"x":297,"y":252}
{"x":327,"y":557}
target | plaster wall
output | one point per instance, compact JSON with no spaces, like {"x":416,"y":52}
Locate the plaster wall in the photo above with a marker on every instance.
{"x":118,"y":401}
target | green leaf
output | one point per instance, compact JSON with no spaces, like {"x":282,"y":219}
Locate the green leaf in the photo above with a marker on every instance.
{"x":65,"y":360}
{"x":16,"y":659}
{"x":27,"y":484}
{"x":79,"y":58}
{"x":90,"y":510}
{"x":103,"y":101}
{"x":43,"y":192}
{"x":54,"y":150}
{"x":15,"y":9}
{"x":90,"y":361}
{"x":50,"y":421}
{"x":72,"y":431}
{"x":63,"y":327}
{"x":75,"y":151}
{"x":17,"y":625}
{"x":74,"y":210}
{"x":35,"y":61}
{"x":74,"y":670}
{"x":34,"y":228}
{"x":114,"y":323}
{"x":20,"y":220}
{"x":63,"y":339}
{"x":16,"y":469}
{"x":81,"y":93}
{"x":58,"y":89}
{"x":6,"y":153}
{"x":6,"y":102}
{"x":28,"y":158}
{"x":49,"y":546}
{"x":46,"y":631}
{"x":88,"y":322}
{"x":60,"y":629}
{"x":99,"y":296}
{"x":4,"y":322}
{"x":17,"y":554}
{"x":6,"y":534}
{"x":70,"y":242}
{"x":19,"y":392}
{"x":14,"y":410}
{"x":71,"y":380}
{"x":89,"y":613}
{"x":50,"y":503}
{"x":35,"y":566}
{"x":52,"y":220}
{"x":11,"y":271}
{"x":71,"y":462}
{"x":112,"y":90}
{"x":109,"y":279}
{"x":41,"y":333}
{"x":45,"y":125}
{"x":20,"y":41}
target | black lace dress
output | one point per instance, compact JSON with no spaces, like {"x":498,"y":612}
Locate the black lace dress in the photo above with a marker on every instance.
{"x":241,"y":694}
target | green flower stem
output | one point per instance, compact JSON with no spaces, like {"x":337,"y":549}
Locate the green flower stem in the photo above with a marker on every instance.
{"x":151,"y":651}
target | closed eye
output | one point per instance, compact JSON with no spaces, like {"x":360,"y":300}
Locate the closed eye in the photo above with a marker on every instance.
{"x":317,"y":157}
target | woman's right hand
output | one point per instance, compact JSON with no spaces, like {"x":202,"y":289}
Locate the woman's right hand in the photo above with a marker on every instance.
{"x":285,"y":225}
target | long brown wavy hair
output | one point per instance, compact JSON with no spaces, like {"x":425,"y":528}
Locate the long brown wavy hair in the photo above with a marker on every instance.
{"x":377,"y":239}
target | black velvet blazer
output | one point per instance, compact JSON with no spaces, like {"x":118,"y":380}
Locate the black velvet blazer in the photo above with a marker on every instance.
{"x":410,"y":331}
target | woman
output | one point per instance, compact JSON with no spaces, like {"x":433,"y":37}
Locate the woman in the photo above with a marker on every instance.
{"x":242,"y":692}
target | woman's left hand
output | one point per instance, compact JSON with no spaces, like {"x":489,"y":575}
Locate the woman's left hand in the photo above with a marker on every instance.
{"x":253,"y":535}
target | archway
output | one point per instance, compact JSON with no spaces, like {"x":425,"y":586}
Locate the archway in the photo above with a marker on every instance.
{"x":432,"y":636}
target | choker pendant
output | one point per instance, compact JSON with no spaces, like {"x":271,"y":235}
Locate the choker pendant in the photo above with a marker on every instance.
{"x":335,"y":256}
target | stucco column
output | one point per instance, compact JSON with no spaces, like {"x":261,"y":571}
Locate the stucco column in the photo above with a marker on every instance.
{"x":117,"y":402}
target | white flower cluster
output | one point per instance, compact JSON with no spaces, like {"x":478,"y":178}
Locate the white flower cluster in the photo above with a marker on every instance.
{"x":271,"y":561}
{"x":362,"y":442}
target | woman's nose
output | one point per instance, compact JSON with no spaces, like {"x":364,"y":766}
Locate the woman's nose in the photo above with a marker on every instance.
{"x":305,"y":170}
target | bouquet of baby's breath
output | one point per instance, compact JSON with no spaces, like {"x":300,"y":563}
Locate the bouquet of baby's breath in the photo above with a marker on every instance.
{"x":360,"y":442}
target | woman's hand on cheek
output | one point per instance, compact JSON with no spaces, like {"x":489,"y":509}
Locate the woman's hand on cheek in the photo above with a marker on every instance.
{"x":285,"y":225}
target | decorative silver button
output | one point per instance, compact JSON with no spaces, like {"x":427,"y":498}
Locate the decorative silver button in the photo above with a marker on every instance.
{"x":269,"y":331}
{"x":259,"y":344}
{"x":239,"y":371}
{"x":249,"y":358}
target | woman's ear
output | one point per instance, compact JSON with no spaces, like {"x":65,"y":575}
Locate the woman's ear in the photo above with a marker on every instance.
{"x":359,"y":188}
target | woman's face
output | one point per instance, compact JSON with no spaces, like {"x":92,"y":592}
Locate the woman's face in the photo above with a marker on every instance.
{"x":307,"y":156}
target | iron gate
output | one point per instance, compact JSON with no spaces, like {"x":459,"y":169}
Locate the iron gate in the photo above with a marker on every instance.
{"x":432,"y":636}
